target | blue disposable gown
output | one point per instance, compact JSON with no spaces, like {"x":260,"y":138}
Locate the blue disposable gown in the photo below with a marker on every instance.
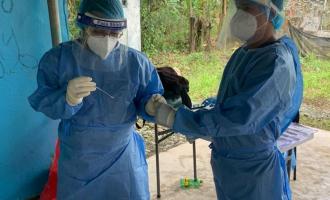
{"x":261,"y":88}
{"x":101,"y":155}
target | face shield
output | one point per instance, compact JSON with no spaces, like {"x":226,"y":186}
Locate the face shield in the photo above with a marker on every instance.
{"x":102,"y":45}
{"x":248,"y":21}
{"x":101,"y":53}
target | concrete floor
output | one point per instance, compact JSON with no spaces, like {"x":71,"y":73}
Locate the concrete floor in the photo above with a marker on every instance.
{"x":177,"y":163}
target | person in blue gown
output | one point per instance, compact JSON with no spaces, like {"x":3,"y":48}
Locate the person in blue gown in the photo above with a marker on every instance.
{"x":97,"y":87}
{"x":260,"y":94}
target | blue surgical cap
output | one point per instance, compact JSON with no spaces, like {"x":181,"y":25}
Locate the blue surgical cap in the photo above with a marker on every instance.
{"x":279,"y":4}
{"x":108,"y":9}
{"x":278,"y":20}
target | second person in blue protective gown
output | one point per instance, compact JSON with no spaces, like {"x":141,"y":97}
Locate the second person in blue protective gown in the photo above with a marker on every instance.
{"x":245,"y":123}
{"x":101,"y":154}
{"x":260,"y":94}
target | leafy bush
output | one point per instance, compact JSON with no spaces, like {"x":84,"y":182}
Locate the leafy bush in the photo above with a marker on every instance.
{"x":164,"y":29}
{"x":73,"y":6}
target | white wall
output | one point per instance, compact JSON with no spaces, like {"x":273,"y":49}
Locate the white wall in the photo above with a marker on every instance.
{"x":132,"y":13}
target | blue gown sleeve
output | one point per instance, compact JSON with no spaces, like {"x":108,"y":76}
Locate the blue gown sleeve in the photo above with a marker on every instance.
{"x":149,"y":84}
{"x":49,"y":98}
{"x":265,"y":94}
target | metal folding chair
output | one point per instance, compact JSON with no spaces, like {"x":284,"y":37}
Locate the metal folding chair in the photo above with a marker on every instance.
{"x":160,"y":137}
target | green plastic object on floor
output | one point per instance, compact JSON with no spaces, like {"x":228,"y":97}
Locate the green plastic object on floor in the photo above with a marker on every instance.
{"x":186,"y":183}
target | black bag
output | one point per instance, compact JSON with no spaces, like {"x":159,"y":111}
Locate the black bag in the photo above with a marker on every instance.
{"x":175,"y":86}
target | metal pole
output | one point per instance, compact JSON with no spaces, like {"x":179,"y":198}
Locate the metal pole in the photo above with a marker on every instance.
{"x":288,"y":167}
{"x":157,"y":161}
{"x":194,"y":158}
{"x":295,"y":168}
{"x":54,"y":20}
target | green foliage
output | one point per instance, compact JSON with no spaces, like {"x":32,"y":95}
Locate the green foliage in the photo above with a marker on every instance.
{"x":312,"y":63}
{"x":316,"y":78}
{"x":315,"y":122}
{"x":203,"y":70}
{"x":164,"y":29}
{"x":203,"y":8}
{"x":165,"y":24}
{"x":165,"y":34}
{"x":73,"y":6}
{"x":208,"y":10}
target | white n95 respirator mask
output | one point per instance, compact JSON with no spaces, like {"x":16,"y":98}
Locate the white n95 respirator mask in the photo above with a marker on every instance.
{"x":243,"y":25}
{"x":102,"y":46}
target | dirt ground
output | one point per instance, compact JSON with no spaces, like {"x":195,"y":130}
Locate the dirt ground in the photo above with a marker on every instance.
{"x":313,"y":170}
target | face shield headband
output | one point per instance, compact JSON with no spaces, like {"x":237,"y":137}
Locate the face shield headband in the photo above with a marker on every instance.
{"x":113,"y":25}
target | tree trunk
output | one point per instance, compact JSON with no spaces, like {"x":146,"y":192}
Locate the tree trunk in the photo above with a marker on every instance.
{"x":192,"y":21}
{"x":222,"y":16}
{"x":192,"y":36}
{"x":208,"y":35}
{"x":208,"y":27}
{"x":199,"y":34}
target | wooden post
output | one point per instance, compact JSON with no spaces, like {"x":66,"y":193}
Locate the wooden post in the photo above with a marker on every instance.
{"x":54,"y":20}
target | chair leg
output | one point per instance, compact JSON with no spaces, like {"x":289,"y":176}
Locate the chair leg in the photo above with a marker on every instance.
{"x":295,"y":168}
{"x":157,"y":162}
{"x":288,"y":166}
{"x":194,"y":160}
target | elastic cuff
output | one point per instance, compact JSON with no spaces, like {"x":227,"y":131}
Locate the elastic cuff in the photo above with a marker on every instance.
{"x":73,"y":109}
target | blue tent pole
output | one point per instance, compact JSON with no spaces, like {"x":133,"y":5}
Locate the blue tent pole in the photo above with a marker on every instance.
{"x":54,"y":20}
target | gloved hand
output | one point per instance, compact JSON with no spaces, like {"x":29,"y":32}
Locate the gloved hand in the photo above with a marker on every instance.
{"x":78,"y":88}
{"x":153,"y":103}
{"x":165,"y":115}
